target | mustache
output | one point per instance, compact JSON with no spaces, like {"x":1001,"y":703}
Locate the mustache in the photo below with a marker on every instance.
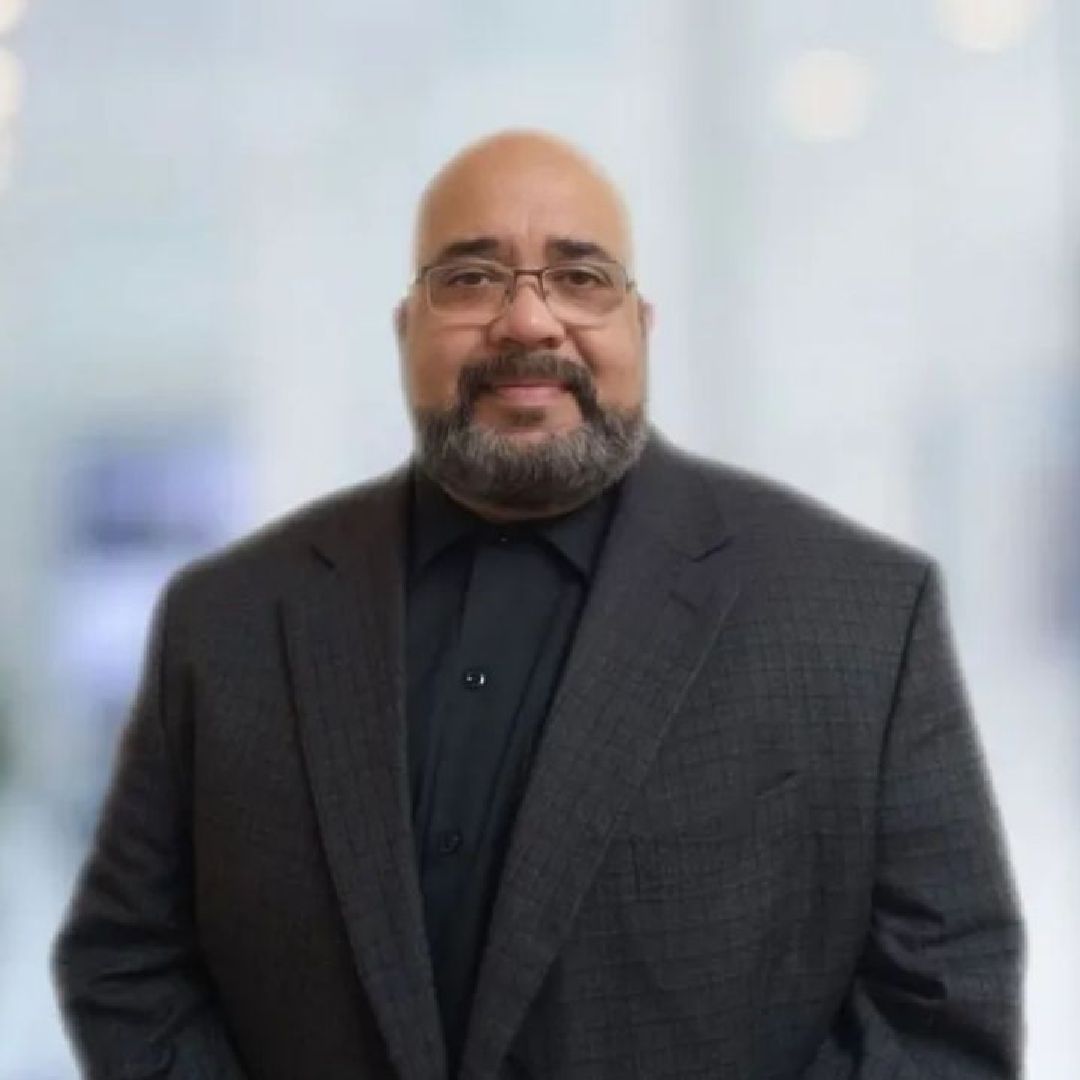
{"x":475,"y":378}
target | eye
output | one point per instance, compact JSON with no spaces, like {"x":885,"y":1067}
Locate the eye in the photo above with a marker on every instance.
{"x":580,"y":277}
{"x":468,"y":276}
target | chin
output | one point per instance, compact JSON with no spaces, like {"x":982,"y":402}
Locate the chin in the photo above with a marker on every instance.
{"x":529,"y":424}
{"x":530,"y":435}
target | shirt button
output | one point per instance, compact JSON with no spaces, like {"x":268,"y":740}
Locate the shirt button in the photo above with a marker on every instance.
{"x":474,"y":678}
{"x":502,"y":538}
{"x":448,"y":841}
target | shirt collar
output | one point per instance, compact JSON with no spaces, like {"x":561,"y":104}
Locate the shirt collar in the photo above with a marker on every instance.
{"x":438,"y":522}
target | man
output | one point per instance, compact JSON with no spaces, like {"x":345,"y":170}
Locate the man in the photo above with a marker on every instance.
{"x":556,"y":753}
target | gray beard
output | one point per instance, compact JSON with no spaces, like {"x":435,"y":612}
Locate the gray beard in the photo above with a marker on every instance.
{"x":487,"y":468}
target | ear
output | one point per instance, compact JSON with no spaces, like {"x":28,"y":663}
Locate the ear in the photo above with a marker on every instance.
{"x":646,"y":316}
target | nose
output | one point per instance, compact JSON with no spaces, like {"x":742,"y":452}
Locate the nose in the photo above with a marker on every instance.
{"x":527,"y":321}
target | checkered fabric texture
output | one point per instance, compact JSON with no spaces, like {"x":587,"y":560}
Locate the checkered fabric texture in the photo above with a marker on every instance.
{"x":758,"y":840}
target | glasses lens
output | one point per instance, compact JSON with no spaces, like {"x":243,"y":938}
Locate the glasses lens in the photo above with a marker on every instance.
{"x":474,"y":289}
{"x":584,"y":290}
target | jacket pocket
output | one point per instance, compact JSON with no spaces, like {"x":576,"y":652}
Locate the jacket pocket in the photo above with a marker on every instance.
{"x":743,"y":846}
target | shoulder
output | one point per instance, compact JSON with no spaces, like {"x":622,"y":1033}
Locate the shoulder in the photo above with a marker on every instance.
{"x":817,"y":588}
{"x":784,"y":530}
{"x":268,"y":559}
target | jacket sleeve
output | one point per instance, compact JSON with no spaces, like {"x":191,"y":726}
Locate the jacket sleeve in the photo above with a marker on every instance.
{"x":133,"y":994}
{"x":937,"y":991}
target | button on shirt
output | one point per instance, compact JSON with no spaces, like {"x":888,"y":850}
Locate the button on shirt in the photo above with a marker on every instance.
{"x":492,"y":610}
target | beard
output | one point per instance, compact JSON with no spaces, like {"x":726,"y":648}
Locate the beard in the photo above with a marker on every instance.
{"x":558,"y":472}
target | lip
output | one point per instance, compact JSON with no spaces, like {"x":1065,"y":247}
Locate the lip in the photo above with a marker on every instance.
{"x":499,"y":383}
{"x":528,"y":391}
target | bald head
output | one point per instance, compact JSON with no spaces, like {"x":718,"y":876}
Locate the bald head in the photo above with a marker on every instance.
{"x":527,"y":390}
{"x":513,"y":186}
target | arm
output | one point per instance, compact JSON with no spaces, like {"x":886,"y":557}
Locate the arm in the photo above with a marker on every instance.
{"x":937,"y":992}
{"x":133,"y":995}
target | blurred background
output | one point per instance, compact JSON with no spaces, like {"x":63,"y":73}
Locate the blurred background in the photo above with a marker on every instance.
{"x":859,"y":223}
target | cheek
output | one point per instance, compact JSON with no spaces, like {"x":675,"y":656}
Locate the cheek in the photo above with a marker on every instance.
{"x":432,"y":363}
{"x":617,"y":362}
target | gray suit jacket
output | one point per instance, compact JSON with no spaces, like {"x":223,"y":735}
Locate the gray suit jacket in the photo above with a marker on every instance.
{"x":757,"y":842}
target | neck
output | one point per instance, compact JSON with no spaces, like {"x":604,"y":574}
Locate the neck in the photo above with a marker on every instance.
{"x":501,"y":514}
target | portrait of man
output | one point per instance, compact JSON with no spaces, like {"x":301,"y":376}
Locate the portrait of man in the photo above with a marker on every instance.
{"x":557,"y":752}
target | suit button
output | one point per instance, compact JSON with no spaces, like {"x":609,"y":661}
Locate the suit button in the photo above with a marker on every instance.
{"x":448,"y":841}
{"x":474,"y":678}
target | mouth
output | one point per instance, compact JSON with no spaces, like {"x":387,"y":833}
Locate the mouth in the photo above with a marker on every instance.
{"x":527,"y":391}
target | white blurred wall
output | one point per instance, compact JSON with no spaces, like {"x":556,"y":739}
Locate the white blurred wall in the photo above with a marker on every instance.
{"x":857,"y":221}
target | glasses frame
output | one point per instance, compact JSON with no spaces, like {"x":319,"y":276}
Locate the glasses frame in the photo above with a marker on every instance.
{"x":515,"y":272}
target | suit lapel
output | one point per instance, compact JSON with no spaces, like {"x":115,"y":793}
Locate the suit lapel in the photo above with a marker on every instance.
{"x":664,"y":585}
{"x":344,"y":636}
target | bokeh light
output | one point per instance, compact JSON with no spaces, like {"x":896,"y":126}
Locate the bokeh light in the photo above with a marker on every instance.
{"x":11,"y":13}
{"x":824,"y":95}
{"x":11,"y":84}
{"x":987,"y":25}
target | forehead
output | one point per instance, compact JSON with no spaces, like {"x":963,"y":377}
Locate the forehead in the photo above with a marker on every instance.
{"x":526,"y":204}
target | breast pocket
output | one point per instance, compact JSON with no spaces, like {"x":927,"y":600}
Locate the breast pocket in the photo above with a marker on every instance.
{"x":736,"y":853}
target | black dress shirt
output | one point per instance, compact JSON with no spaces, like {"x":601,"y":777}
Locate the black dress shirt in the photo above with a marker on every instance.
{"x":492,"y":611}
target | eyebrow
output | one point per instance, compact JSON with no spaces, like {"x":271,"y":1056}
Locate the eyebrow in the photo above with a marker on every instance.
{"x":463,"y":249}
{"x":562,"y":247}
{"x":570,"y":247}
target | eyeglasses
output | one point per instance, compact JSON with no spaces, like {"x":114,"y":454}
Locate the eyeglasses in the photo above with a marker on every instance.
{"x":476,"y":292}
